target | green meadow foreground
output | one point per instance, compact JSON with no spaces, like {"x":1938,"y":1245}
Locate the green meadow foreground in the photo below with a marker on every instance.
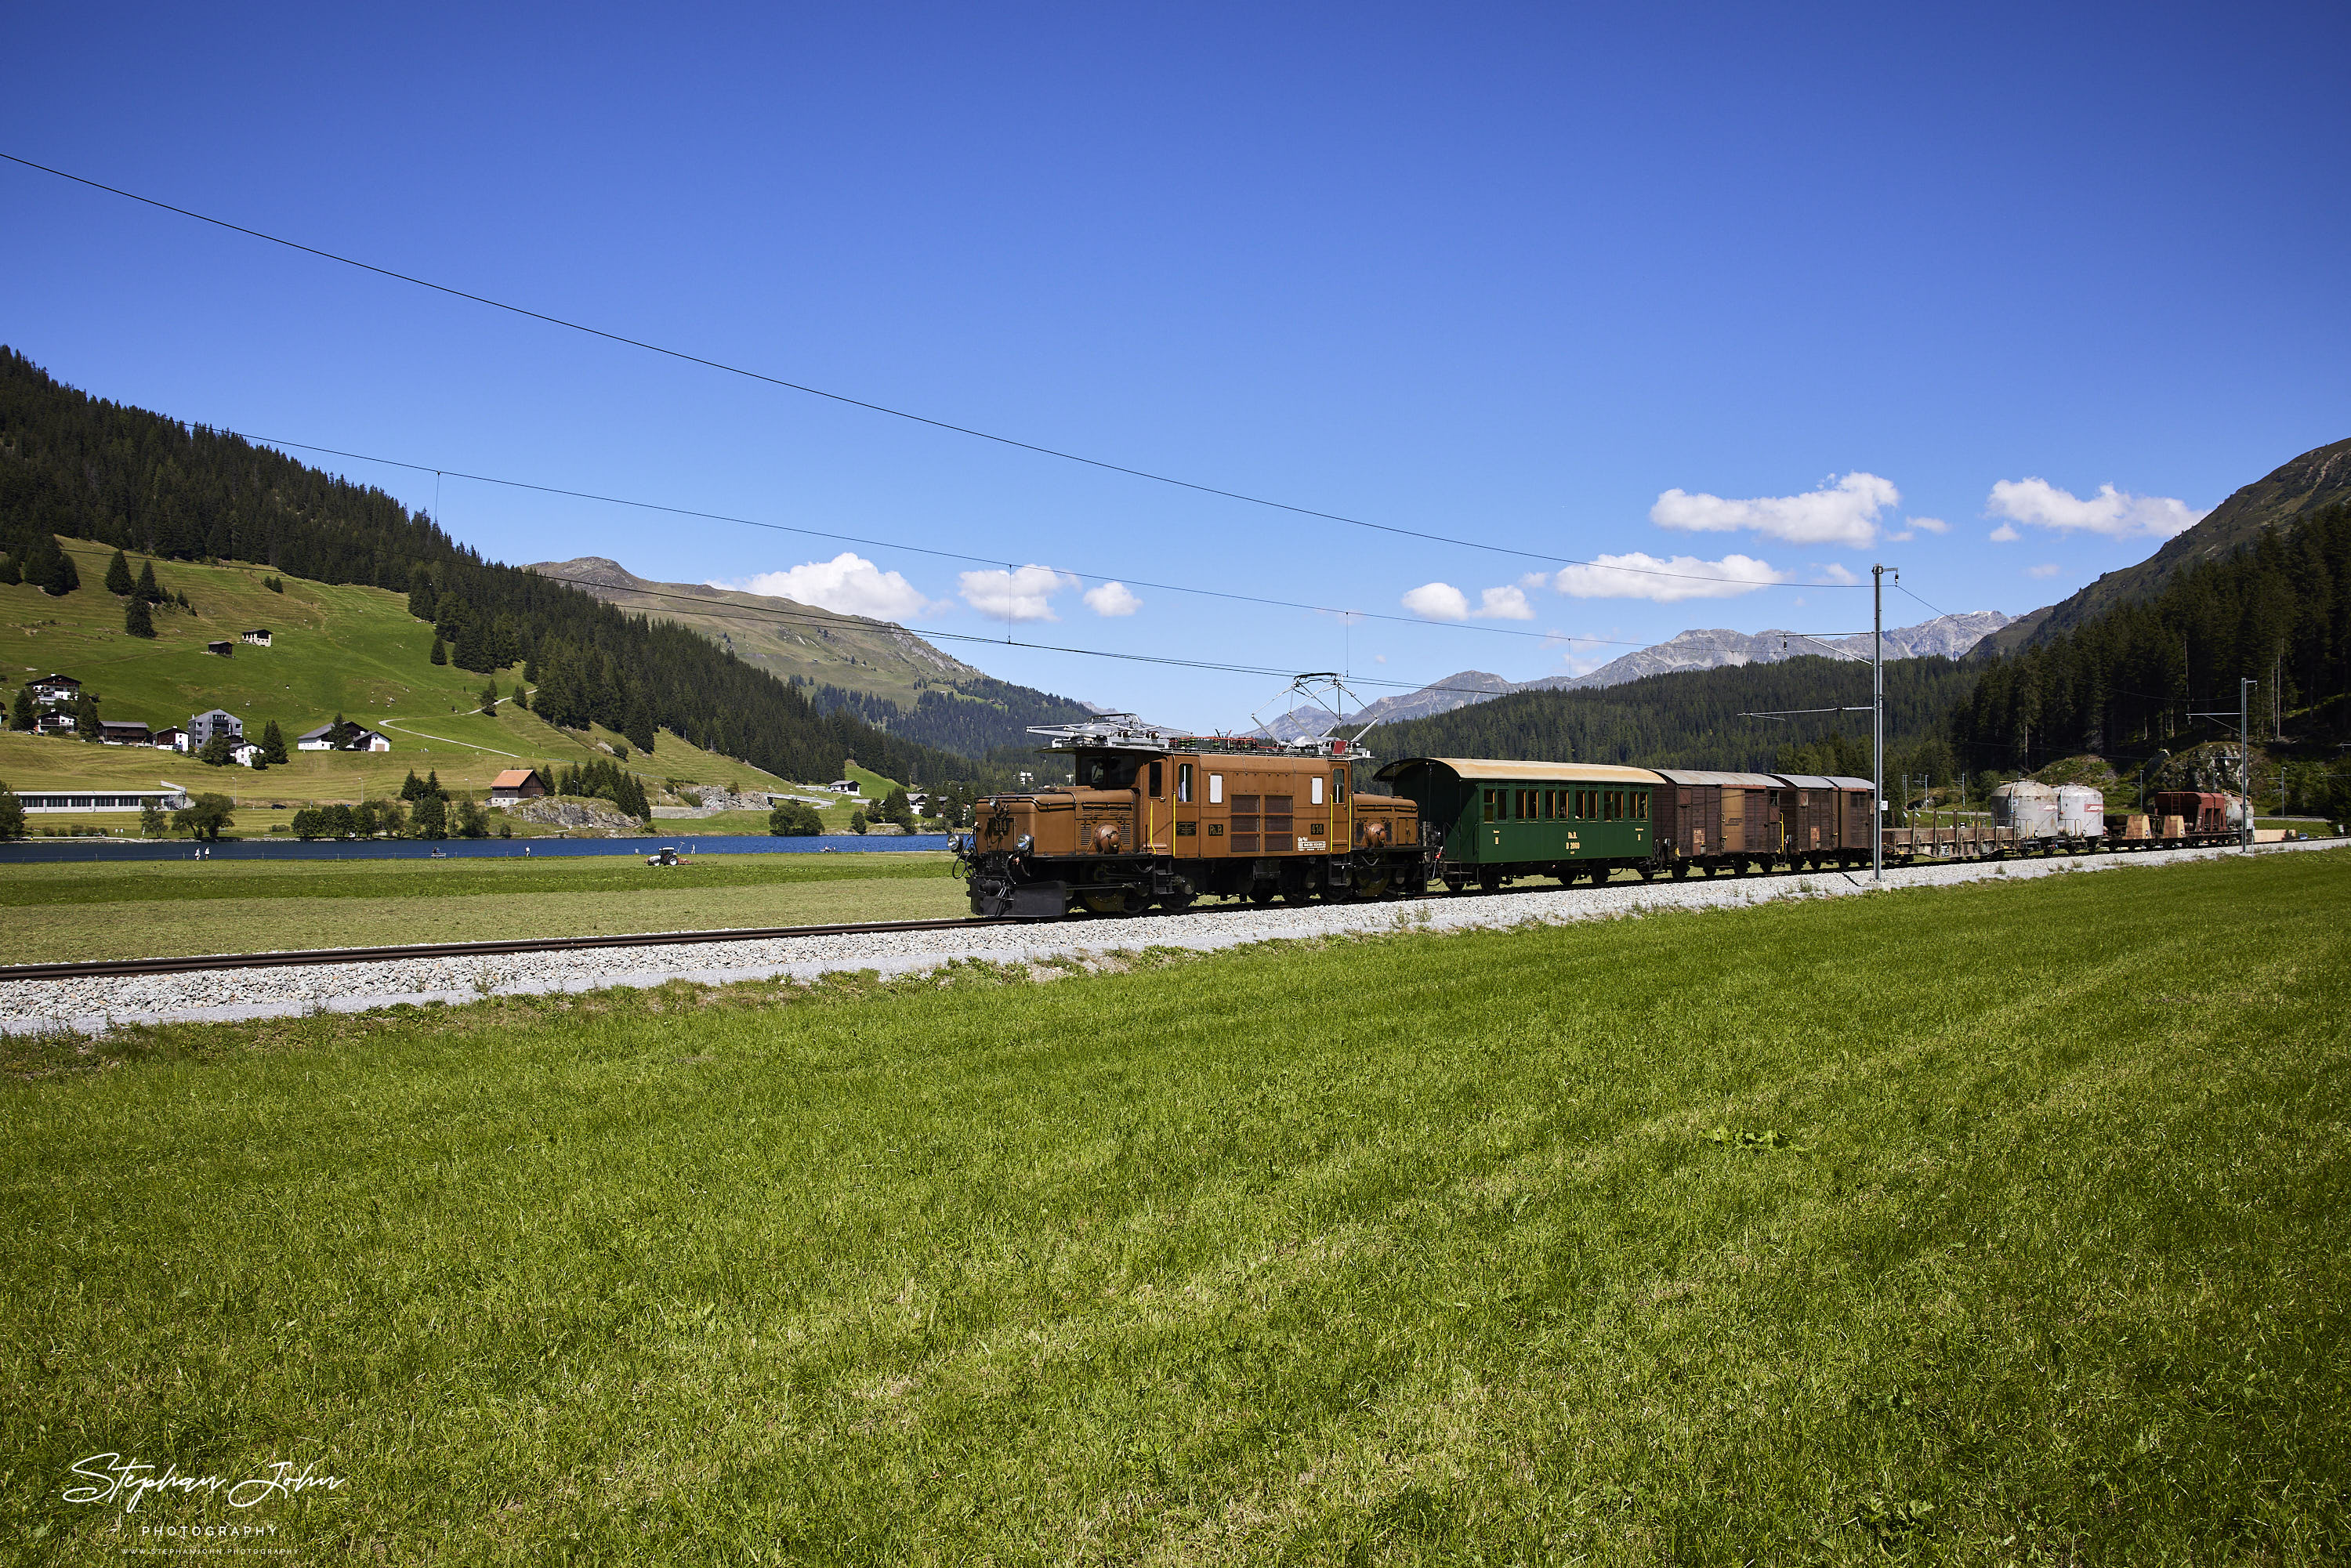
{"x":1998,"y":1224}
{"x":61,"y":912}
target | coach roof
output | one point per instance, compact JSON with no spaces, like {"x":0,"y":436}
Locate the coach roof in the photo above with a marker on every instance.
{"x":1548,"y":773}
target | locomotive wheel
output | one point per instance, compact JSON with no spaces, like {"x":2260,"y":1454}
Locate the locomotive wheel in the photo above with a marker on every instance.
{"x":1121,"y":900}
{"x":1260,"y":893}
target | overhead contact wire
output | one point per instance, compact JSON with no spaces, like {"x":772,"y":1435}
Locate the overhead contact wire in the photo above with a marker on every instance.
{"x":843,"y":398}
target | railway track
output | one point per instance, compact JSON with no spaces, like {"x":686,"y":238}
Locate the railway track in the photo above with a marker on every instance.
{"x":114,"y":968}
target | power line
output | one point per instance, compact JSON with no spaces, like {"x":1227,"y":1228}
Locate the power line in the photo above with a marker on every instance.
{"x":705,"y":611}
{"x":917,"y":550}
{"x":879,"y":408}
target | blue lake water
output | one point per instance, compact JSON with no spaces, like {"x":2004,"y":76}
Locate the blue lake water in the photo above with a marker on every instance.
{"x":38,"y":850}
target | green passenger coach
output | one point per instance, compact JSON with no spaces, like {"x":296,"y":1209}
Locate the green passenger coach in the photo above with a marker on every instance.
{"x":1491,"y":822}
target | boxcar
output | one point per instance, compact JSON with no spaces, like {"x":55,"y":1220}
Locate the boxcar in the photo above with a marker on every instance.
{"x":1492,"y":822}
{"x":1824,"y":820}
{"x":1714,"y":821}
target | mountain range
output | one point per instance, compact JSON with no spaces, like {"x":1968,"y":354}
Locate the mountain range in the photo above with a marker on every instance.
{"x":1946,"y":636}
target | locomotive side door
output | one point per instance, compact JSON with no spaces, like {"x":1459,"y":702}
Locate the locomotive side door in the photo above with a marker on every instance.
{"x":1182,"y":807}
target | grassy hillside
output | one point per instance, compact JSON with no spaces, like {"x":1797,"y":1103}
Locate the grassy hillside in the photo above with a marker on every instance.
{"x":1510,"y":1248}
{"x":883,"y":672}
{"x":334,"y":649}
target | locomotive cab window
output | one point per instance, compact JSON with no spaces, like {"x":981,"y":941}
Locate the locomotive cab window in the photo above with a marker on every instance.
{"x":1184,"y":781}
{"x":1108,"y":771}
{"x":1215,"y":788}
{"x":1158,"y":783}
{"x":1314,"y":791}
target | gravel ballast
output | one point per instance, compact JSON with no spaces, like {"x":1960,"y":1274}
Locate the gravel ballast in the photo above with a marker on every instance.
{"x":92,"y":1007}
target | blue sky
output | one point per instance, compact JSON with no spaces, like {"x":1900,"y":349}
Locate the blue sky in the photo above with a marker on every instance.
{"x":1757,"y":291}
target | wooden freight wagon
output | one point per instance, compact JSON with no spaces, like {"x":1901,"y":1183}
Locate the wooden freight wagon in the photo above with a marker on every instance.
{"x":1716,"y":821}
{"x":1824,"y":820}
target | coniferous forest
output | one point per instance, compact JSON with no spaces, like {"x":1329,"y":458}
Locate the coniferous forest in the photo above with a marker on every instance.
{"x":86,"y":468}
{"x":2128,"y":680}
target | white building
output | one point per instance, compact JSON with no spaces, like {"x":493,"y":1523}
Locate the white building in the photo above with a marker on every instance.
{"x":363,"y":739}
{"x":171,"y":799}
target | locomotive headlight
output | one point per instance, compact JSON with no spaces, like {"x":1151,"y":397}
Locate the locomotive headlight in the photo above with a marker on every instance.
{"x":1025,"y":843}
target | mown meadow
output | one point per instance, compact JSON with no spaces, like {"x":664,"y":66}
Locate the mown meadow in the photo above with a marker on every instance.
{"x":65,"y":911}
{"x":1995,"y":1224}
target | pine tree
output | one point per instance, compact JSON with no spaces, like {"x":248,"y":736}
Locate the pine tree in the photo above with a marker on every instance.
{"x":440,"y":650}
{"x":273,"y":743}
{"x":146,"y":589}
{"x":22,"y":716}
{"x":118,"y":574}
{"x":137,"y":620}
{"x":433,"y":786}
{"x":411,"y":787}
{"x":10,"y":572}
{"x":640,"y":726}
{"x":422,"y":599}
{"x":490,"y":699}
{"x":86,"y":723}
{"x":521,"y":697}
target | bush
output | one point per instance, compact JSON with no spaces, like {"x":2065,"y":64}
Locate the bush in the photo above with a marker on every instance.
{"x":204,"y":817}
{"x":857,"y":823}
{"x":431,"y":817}
{"x":795,"y":820}
{"x":12,"y":814}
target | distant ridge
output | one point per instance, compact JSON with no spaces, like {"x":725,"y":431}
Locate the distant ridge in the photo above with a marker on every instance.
{"x":1947,"y":636}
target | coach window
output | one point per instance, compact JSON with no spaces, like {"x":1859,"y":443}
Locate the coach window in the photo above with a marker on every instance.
{"x":1489,"y":795}
{"x":1184,"y":781}
{"x":1314,"y":789}
{"x":1215,"y":788}
{"x":1641,"y":806}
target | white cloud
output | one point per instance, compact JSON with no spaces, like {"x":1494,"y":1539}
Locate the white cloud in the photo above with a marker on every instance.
{"x":1932,"y":524}
{"x":1643,"y":576}
{"x":2051,"y":569}
{"x":1379,"y":658}
{"x":1443,"y":601}
{"x":1841,"y":512}
{"x":2004,"y":535}
{"x":1439,"y":601}
{"x":1836,"y":572}
{"x":2115,"y":513}
{"x":1112,"y":598}
{"x":1505,"y":604}
{"x":1023,"y":595}
{"x":848,"y":584}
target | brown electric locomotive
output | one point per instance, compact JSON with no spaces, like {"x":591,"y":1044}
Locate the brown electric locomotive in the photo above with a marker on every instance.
{"x":1150,"y":818}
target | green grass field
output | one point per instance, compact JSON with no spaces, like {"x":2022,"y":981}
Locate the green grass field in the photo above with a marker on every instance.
{"x":154,"y":909}
{"x":1843,"y":1231}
